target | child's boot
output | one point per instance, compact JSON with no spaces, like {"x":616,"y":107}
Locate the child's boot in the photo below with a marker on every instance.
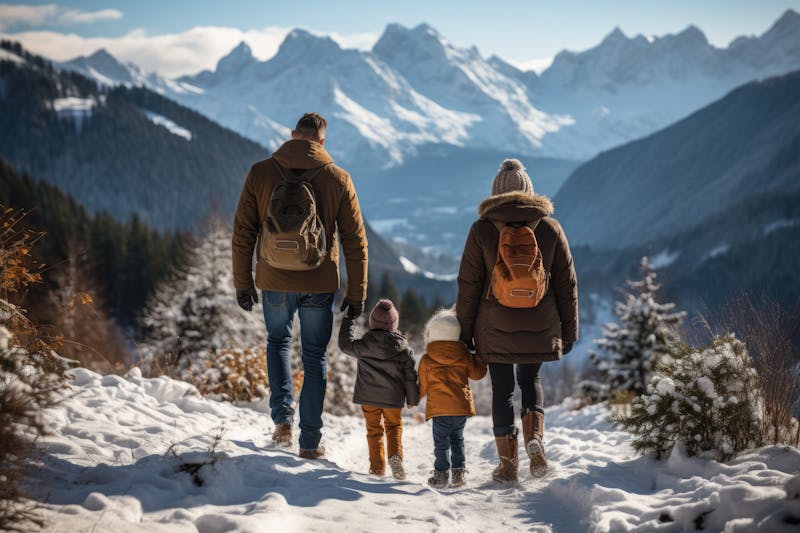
{"x":533,"y":433}
{"x":459,"y":477}
{"x":506,"y":471}
{"x":396,"y":464}
{"x":439,"y":479}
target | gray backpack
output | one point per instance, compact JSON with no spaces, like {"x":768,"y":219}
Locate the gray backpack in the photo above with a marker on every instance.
{"x":292,"y":236}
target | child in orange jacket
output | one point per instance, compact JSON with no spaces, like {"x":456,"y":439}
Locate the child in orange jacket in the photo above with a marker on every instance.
{"x":444,"y":373}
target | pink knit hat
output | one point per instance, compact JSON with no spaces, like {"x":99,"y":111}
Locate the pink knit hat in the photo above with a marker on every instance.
{"x":384,"y":316}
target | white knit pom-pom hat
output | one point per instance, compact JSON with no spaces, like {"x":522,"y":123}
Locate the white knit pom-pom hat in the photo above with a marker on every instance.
{"x":443,"y":326}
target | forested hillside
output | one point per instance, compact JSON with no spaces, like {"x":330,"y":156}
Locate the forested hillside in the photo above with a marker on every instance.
{"x":124,"y":260}
{"x":123,"y":150}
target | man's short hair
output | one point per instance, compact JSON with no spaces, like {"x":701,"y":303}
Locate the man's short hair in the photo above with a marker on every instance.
{"x":311,"y":125}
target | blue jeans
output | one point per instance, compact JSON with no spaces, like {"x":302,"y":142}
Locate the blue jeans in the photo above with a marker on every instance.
{"x":448,"y":440}
{"x":316,"y":324}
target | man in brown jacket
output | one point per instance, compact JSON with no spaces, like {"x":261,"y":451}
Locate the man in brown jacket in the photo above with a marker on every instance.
{"x":309,"y":293}
{"x":505,"y":337}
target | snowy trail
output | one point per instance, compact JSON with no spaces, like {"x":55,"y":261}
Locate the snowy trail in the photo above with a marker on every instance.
{"x":113,"y":463}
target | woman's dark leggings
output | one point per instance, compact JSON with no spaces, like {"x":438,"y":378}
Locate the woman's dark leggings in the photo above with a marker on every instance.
{"x":502,"y":375}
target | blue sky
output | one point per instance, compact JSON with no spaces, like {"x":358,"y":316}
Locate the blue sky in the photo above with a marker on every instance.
{"x":524,"y":32}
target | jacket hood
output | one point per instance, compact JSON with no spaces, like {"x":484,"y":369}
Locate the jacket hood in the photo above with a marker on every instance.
{"x":382,"y":344}
{"x":516,"y":207}
{"x":302,"y":154}
{"x":447,"y":352}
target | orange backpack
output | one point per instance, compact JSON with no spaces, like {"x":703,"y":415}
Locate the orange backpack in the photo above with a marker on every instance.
{"x":519,"y":279}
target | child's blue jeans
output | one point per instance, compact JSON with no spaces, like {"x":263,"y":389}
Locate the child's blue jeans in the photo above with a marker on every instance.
{"x":448,"y":442}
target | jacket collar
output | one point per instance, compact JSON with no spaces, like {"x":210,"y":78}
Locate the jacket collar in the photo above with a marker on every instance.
{"x":302,"y":154}
{"x":516,"y":207}
{"x":446,"y":352}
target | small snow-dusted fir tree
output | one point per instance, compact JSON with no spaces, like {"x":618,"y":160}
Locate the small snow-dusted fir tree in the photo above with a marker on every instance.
{"x":634,"y":347}
{"x":709,"y":398}
{"x":196,"y":311}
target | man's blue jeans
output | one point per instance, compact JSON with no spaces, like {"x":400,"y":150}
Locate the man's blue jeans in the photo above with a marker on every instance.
{"x":316,"y":323}
{"x":448,"y":440}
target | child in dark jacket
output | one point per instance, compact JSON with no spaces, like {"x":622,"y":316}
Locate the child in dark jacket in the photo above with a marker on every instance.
{"x":386,"y":381}
{"x":444,"y":374}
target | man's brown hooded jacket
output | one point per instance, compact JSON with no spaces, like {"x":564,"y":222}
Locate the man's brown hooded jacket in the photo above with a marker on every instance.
{"x":338,"y":207}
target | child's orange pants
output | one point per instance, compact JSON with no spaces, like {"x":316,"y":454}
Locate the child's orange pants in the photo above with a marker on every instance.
{"x":379,"y":421}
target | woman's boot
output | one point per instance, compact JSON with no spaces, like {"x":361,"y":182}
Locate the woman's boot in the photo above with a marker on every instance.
{"x":506,"y":472}
{"x":533,"y":433}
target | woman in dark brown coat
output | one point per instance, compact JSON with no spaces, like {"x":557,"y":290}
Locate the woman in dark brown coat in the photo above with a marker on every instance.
{"x":504,"y":337}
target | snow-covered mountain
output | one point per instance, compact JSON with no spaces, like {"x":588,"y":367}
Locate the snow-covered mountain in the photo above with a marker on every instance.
{"x":628,"y":87}
{"x":414,"y":87}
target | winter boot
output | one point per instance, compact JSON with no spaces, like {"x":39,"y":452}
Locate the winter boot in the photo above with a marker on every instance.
{"x":282,"y":436}
{"x":396,"y":464}
{"x":319,"y":453}
{"x":439,"y":479}
{"x":533,"y":433}
{"x":459,"y":477}
{"x":506,"y":471}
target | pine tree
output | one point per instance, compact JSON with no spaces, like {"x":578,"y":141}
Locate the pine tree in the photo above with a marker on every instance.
{"x":413,"y":311}
{"x":196,"y":310}
{"x":641,"y":340}
{"x":388,"y":289}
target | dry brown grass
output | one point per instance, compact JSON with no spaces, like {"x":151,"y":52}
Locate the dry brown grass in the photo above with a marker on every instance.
{"x":768,"y":330}
{"x":30,"y":371}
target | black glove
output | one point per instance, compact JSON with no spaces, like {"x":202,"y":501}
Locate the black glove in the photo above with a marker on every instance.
{"x":354,"y":309}
{"x":470,"y":345}
{"x":246,"y":298}
{"x":567,"y":348}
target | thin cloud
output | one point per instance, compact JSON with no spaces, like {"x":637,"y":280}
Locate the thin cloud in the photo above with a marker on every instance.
{"x":172,"y":54}
{"x":15,"y":14}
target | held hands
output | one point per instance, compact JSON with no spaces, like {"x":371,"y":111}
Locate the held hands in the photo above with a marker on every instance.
{"x":246,"y":298}
{"x":354,"y":309}
{"x":470,"y":346}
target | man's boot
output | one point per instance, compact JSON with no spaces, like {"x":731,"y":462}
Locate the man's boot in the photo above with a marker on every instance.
{"x":506,"y":471}
{"x":533,"y":433}
{"x":282,"y":436}
{"x":318,"y":453}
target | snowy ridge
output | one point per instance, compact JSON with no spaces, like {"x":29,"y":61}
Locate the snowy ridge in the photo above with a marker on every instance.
{"x":410,"y":267}
{"x":415,"y":87}
{"x":5,"y":55}
{"x":73,"y":105}
{"x":171,"y":126}
{"x":113,"y":462}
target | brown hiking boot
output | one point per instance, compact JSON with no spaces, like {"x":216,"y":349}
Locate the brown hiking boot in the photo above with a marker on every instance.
{"x":319,"y":453}
{"x":506,"y":471}
{"x":282,"y":436}
{"x":396,"y":464}
{"x":439,"y":479}
{"x":533,"y":433}
{"x":459,"y":477}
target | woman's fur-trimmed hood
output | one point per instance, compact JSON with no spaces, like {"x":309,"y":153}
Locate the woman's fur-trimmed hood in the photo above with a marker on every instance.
{"x":505,"y":207}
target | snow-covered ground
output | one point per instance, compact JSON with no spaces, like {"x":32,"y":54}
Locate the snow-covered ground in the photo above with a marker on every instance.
{"x":121,"y":451}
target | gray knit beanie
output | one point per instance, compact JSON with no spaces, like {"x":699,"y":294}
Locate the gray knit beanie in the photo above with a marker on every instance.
{"x":511,"y":178}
